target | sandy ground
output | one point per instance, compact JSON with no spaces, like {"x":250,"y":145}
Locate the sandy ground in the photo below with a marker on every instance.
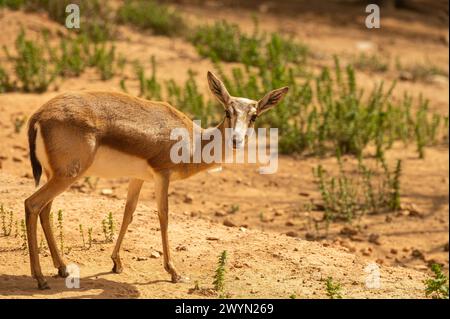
{"x":263,"y":262}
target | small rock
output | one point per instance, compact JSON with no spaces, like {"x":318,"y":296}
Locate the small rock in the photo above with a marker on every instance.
{"x":228,"y":223}
{"x":278,"y":213}
{"x":212,"y":238}
{"x":194,"y":214}
{"x":439,"y":79}
{"x":219,"y":214}
{"x":181,"y":248}
{"x":292,"y":234}
{"x":394,"y":251}
{"x":388,"y":219}
{"x":304,"y":194}
{"x":347,"y":231}
{"x":310,"y":236}
{"x":155,"y":254}
{"x":406,"y":76}
{"x":188,"y":199}
{"x":141,"y":258}
{"x":16,"y":159}
{"x":446,"y":247}
{"x":374,"y":239}
{"x":366,"y":251}
{"x":289,"y":223}
{"x":106,"y":191}
{"x":416,"y":253}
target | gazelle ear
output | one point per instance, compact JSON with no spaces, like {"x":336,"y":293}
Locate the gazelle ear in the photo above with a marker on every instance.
{"x":271,"y":99}
{"x":218,"y":89}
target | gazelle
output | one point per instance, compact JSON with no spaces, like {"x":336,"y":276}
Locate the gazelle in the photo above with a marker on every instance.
{"x":117,"y":135}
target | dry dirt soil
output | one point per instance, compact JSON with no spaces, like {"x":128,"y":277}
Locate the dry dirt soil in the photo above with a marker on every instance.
{"x":263,"y":260}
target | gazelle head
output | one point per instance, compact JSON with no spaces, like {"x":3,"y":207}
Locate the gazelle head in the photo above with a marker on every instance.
{"x":240,"y":112}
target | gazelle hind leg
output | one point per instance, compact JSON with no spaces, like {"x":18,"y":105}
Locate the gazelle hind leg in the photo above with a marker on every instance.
{"x":58,"y":261}
{"x":33,"y":207}
{"x":134,"y":189}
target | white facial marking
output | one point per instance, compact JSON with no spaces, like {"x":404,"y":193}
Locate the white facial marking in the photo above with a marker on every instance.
{"x":243,"y":109}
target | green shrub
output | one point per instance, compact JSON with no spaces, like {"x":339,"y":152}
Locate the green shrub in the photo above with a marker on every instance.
{"x":12,"y":4}
{"x":6,"y":85}
{"x":333,"y":289}
{"x":219,"y":276}
{"x":419,"y":71}
{"x":71,"y":61}
{"x":223,"y":41}
{"x":347,"y":196}
{"x":151,"y":15}
{"x":189,"y":100}
{"x":371,"y":63}
{"x":437,"y":287}
{"x":34,"y":68}
{"x":149,"y":88}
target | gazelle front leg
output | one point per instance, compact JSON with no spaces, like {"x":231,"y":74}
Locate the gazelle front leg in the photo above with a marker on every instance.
{"x":161,"y":192}
{"x":134,"y":188}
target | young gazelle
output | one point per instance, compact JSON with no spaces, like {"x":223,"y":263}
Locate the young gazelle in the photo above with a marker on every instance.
{"x":117,"y":135}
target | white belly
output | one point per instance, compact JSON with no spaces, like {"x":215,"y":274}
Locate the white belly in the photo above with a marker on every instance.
{"x":110,"y":163}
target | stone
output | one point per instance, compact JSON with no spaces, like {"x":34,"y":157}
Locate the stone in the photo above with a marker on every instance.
{"x":228,"y":223}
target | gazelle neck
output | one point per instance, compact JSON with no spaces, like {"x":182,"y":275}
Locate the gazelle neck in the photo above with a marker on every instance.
{"x":202,"y":165}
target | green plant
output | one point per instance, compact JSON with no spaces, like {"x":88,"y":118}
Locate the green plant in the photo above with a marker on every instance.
{"x":233,"y":209}
{"x":108,"y":227}
{"x":223,"y":41}
{"x":16,"y":227}
{"x":33,"y":67}
{"x":394,"y":201}
{"x":149,"y":88}
{"x":18,"y":120}
{"x":72,"y":61}
{"x":80,"y":227}
{"x":157,"y":17}
{"x":6,"y":85}
{"x":293,"y":296}
{"x":23,"y":235}
{"x":102,"y":56}
{"x":12,"y":4}
{"x":219,"y":276}
{"x":420,"y":71}
{"x":6,"y":220}
{"x":437,"y":287}
{"x":89,"y":237}
{"x":371,"y":63}
{"x":333,"y":289}
{"x":189,"y":100}
{"x":60,"y":230}
{"x":347,"y":195}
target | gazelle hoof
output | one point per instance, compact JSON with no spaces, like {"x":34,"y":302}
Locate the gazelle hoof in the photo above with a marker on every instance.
{"x":43,"y":285}
{"x":117,"y":269}
{"x":179,"y":279}
{"x":62,"y":272}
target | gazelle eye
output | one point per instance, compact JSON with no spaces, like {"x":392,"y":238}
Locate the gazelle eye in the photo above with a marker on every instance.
{"x":253,"y":118}
{"x":227,"y":113}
